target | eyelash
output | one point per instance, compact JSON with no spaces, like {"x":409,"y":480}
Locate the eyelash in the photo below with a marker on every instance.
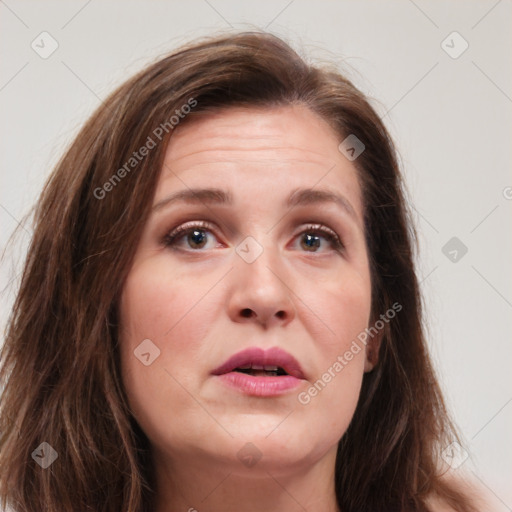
{"x":172,"y":237}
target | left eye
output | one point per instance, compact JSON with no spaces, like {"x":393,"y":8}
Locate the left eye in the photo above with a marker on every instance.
{"x":197,"y":238}
{"x":310,"y":238}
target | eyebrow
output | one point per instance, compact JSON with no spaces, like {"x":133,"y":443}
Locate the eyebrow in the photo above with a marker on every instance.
{"x":197,"y":196}
{"x":298,"y":197}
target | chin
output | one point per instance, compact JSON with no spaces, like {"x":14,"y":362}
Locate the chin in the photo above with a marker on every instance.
{"x":267,"y":445}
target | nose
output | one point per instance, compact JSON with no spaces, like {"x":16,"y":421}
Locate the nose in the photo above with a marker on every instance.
{"x":260,"y":293}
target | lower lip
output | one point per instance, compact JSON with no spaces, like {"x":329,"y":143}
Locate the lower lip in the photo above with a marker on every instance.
{"x":260,"y":386}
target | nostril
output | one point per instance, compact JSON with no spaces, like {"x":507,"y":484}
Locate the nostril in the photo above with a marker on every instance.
{"x":246,"y":313}
{"x":281,"y":314}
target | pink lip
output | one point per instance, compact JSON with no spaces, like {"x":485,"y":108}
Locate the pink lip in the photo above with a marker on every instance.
{"x":261,"y":386}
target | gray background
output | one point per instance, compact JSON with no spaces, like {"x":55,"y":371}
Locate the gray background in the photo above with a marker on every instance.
{"x":450,"y":117}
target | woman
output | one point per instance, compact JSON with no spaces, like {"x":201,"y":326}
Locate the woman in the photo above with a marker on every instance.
{"x":219,"y":309}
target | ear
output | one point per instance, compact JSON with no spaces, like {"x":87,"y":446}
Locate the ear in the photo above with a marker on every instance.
{"x":372,"y":352}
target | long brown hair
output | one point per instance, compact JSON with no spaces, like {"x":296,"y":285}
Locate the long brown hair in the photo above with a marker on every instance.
{"x":60,"y":360}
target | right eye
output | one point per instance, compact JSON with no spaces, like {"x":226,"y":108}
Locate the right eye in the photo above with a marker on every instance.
{"x":195,"y":235}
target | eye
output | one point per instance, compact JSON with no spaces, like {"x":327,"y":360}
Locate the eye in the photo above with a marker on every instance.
{"x":194,"y":234}
{"x":310,"y":238}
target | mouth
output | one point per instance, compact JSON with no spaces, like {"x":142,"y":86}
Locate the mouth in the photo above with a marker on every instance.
{"x":259,"y":372}
{"x":274,"y":362}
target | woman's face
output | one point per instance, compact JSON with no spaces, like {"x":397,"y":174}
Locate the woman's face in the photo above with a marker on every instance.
{"x":257,"y":273}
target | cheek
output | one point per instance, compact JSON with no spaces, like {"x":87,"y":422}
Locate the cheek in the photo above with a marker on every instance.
{"x":167,"y":309}
{"x":341,"y":310}
{"x":163,"y":306}
{"x":340,"y":307}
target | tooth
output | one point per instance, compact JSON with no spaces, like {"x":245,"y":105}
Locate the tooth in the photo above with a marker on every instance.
{"x":245,"y":367}
{"x":257,"y":367}
{"x":271,"y":368}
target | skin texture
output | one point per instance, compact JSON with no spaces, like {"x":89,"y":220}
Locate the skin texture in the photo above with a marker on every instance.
{"x":192,"y":303}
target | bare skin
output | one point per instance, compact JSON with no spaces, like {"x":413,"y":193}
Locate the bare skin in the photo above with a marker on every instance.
{"x":200,"y":303}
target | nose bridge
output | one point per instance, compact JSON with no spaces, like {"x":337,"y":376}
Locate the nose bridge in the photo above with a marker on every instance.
{"x":263,"y":273}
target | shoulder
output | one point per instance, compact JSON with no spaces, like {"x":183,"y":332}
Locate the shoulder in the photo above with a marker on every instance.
{"x":478,"y":495}
{"x":436,"y":504}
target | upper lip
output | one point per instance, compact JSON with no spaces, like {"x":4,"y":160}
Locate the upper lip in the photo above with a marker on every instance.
{"x":257,"y":356}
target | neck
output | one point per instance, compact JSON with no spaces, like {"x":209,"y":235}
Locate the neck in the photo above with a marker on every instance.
{"x":203,"y":486}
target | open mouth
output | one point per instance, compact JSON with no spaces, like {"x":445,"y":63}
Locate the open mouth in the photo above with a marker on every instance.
{"x":256,"y":362}
{"x":261,"y":371}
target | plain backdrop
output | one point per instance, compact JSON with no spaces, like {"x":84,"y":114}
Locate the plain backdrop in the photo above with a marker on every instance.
{"x":445,"y":97}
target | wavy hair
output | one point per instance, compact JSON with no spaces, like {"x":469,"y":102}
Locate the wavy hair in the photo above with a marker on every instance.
{"x":60,"y":360}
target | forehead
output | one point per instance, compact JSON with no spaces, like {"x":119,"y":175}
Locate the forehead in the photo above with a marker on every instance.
{"x":271,"y":151}
{"x":284,"y":131}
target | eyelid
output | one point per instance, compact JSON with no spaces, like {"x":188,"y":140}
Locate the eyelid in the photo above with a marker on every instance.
{"x":318,"y":227}
{"x":185,"y":227}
